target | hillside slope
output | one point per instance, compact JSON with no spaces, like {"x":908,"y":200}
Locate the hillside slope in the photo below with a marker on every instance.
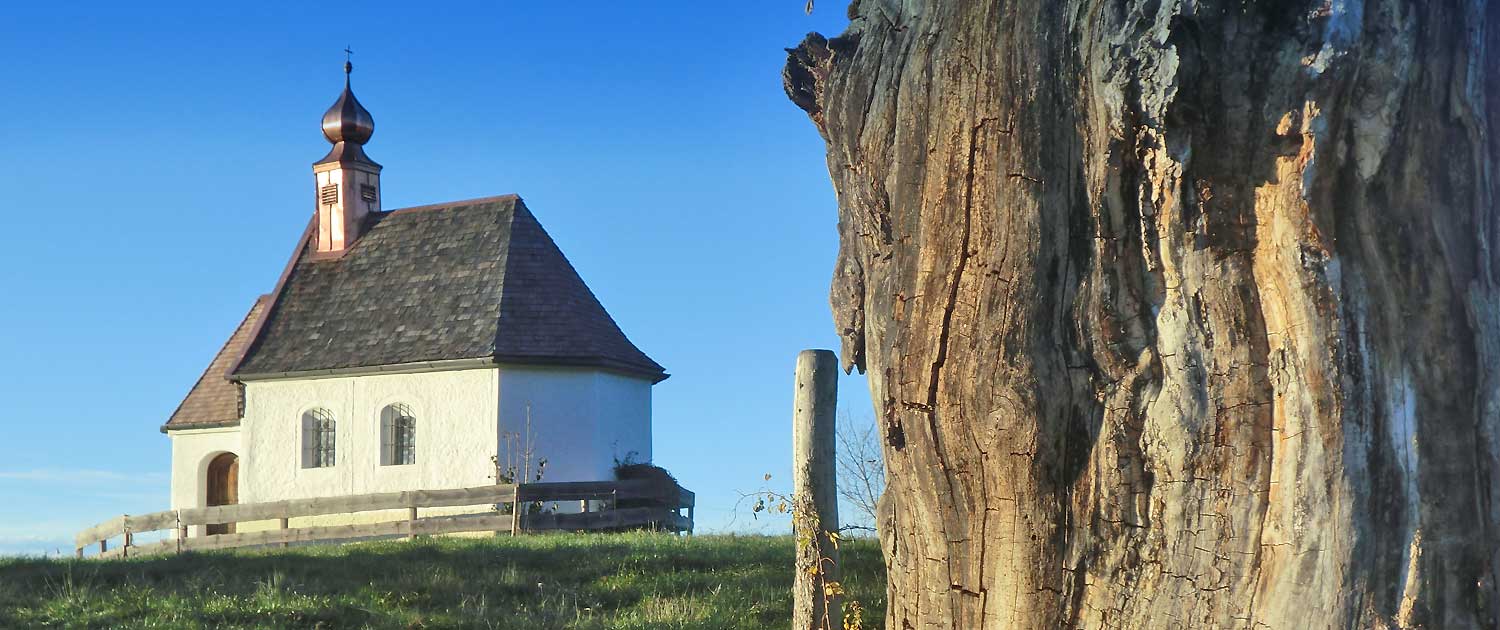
{"x":555,"y":581}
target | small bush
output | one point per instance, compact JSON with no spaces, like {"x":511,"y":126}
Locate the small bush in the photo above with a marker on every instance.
{"x":627,"y":471}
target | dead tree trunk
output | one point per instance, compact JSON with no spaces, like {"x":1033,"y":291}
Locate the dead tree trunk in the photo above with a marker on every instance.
{"x":1176,"y":313}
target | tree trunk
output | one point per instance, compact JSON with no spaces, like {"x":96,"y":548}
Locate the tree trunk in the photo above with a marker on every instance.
{"x":1175,"y":313}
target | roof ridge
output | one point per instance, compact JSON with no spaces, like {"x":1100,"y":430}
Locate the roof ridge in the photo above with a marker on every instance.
{"x":454,"y":204}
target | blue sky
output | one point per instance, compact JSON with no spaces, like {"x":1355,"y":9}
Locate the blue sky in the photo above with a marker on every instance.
{"x":155,"y":170}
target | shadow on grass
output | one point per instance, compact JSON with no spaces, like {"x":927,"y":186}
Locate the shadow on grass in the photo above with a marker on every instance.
{"x":633,"y":580}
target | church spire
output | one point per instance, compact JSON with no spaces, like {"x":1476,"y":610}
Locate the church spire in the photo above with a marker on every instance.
{"x":347,"y":120}
{"x":348,"y":180}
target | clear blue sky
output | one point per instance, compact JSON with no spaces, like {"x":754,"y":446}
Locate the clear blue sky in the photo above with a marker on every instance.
{"x":155,"y":170}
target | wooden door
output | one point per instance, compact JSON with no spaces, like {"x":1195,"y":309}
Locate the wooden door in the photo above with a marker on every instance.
{"x":223,"y":487}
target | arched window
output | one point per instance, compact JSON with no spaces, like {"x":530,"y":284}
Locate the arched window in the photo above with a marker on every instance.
{"x":318,"y":443}
{"x":398,"y":436}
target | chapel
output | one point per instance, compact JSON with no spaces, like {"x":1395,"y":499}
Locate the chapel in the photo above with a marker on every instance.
{"x":409,"y":349}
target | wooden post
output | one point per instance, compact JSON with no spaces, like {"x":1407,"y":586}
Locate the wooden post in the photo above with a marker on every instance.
{"x":103,"y":546}
{"x":496,"y":459}
{"x":286,"y":523}
{"x":129,"y":539}
{"x":411,"y":521}
{"x":815,"y":515}
{"x":515,"y":513}
{"x":182,"y":533}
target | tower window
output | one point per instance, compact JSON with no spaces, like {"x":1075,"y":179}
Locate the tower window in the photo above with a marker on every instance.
{"x":318,"y":439}
{"x":398,"y":435}
{"x":367,"y":192}
{"x":329,"y":194}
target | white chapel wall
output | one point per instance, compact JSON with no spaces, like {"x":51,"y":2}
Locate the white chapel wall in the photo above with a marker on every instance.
{"x":191,"y":451}
{"x":582,"y":419}
{"x":624,"y":418}
{"x":455,"y":434}
{"x":561,"y":404}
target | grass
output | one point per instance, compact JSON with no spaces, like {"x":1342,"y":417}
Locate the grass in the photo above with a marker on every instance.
{"x":622,"y":581}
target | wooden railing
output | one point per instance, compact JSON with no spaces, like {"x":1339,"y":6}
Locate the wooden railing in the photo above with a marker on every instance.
{"x":648,"y":504}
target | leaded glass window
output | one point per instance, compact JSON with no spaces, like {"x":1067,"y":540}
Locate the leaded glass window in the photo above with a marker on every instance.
{"x":398,"y":431}
{"x":319,"y":439}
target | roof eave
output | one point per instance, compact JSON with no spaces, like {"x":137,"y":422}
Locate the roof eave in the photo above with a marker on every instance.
{"x":655,"y":376}
{"x":169,"y":427}
{"x":395,"y":368}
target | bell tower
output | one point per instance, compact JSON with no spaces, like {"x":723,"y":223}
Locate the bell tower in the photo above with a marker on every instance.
{"x":348,"y":180}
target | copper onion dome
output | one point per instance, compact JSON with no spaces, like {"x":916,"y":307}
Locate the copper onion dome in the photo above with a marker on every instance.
{"x":347,"y":120}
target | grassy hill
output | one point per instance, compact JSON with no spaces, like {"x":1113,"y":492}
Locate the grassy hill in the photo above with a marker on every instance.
{"x":553,"y":581}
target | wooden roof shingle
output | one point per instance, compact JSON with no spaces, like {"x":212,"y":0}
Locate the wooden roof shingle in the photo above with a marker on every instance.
{"x":473,"y":279}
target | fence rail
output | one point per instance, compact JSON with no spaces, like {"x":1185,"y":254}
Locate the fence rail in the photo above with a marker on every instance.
{"x":627,"y":505}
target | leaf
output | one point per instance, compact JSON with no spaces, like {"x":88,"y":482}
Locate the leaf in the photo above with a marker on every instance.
{"x":768,"y":476}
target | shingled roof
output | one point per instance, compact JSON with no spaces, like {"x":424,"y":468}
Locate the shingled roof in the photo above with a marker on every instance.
{"x":473,"y":279}
{"x":215,"y":401}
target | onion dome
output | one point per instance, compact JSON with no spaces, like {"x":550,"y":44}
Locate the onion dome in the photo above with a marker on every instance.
{"x":347,"y":120}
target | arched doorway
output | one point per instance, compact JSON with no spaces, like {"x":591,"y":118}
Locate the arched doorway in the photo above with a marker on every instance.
{"x":223,"y":487}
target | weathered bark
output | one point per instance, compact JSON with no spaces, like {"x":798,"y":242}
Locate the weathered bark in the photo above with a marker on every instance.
{"x":1176,"y":313}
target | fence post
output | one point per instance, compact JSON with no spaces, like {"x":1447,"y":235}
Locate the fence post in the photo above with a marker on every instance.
{"x":411,"y":524}
{"x":286,"y":523}
{"x":515,"y":512}
{"x":816,"y":604}
{"x":125,"y":548}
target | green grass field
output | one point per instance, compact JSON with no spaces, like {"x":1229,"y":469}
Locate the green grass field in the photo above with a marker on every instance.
{"x":551,"y":581}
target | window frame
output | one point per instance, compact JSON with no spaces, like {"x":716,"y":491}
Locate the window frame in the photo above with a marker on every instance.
{"x":319,"y":438}
{"x":398,"y":435}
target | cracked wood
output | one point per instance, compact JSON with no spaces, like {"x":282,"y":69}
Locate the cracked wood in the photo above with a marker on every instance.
{"x":1176,"y":314}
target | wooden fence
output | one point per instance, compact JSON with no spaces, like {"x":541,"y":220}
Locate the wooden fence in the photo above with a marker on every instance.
{"x":625,"y":505}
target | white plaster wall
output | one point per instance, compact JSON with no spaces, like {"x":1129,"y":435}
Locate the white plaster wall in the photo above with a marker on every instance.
{"x":581,"y":418}
{"x":191,"y":452}
{"x":562,"y":411}
{"x":625,"y":418}
{"x":456,"y":435}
